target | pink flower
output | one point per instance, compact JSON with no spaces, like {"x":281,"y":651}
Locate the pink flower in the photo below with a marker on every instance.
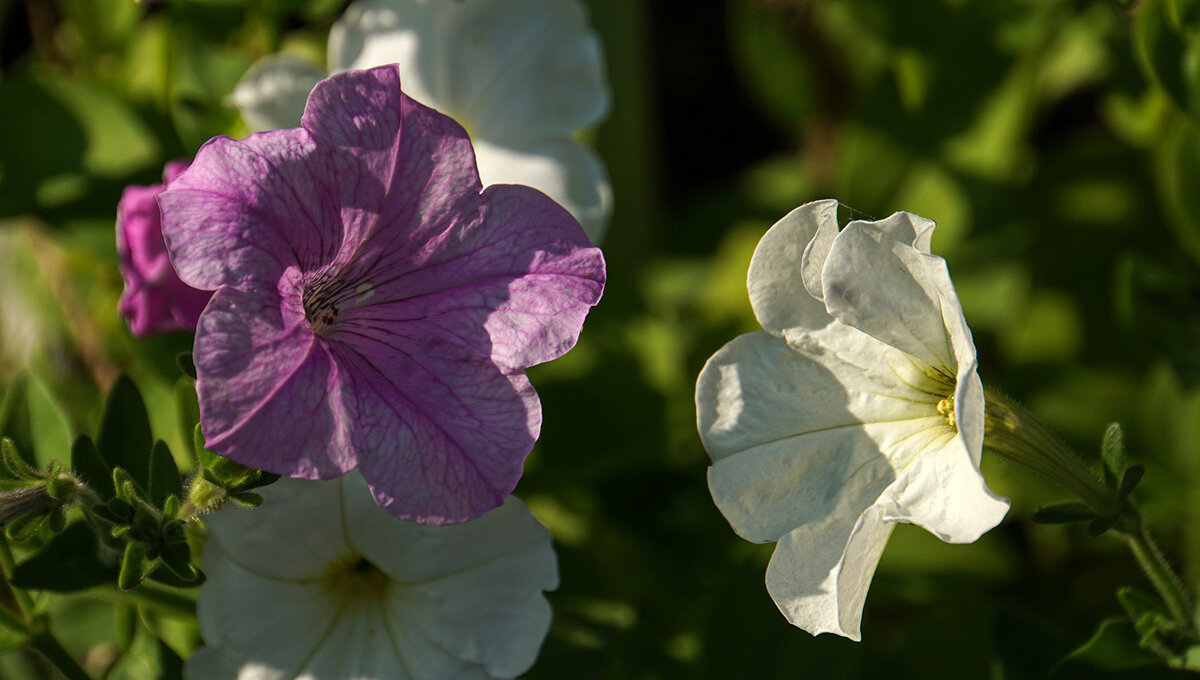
{"x":155,"y":300}
{"x":375,"y":306}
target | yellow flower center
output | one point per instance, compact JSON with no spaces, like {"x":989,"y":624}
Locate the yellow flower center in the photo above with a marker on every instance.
{"x":945,"y":408}
{"x":354,"y":577}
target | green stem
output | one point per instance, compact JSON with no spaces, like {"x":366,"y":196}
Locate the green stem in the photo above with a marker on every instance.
{"x":1015,"y":434}
{"x":7,"y":565}
{"x":1158,"y":570}
{"x":161,"y":599}
{"x":7,"y":620}
{"x":48,"y":646}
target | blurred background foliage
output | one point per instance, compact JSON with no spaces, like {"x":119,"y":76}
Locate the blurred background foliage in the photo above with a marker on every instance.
{"x":1055,"y":142}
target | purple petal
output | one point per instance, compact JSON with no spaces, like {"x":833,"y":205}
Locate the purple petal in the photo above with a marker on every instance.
{"x":269,"y":392}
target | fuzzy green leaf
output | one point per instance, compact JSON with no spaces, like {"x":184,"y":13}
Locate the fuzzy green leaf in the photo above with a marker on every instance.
{"x":71,"y":561}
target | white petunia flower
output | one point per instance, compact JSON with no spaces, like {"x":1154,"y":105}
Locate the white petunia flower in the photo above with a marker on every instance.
{"x":856,"y":407}
{"x":522,"y":76}
{"x":319,"y":583}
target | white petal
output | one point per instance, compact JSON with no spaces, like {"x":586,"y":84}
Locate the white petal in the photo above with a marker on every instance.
{"x":783,"y":259}
{"x":943,"y":492}
{"x":880,"y":279}
{"x":820,"y":573}
{"x":376,"y":32}
{"x":506,"y":69}
{"x":273,"y":623}
{"x":358,"y":646}
{"x":566,"y":171}
{"x":759,"y":388}
{"x":273,"y":92}
{"x":271,"y":542}
{"x":474,"y":590}
{"x":794,"y":435}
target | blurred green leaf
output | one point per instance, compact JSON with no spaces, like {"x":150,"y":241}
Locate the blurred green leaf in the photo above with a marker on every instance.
{"x":1167,"y":35}
{"x":118,"y":141}
{"x":124,"y":440}
{"x":30,"y":415}
{"x":1178,"y":167}
{"x":69,"y":562}
{"x":51,"y":142}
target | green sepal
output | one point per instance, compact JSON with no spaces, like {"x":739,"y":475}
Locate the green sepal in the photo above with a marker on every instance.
{"x":24,"y":527}
{"x":127,"y":489}
{"x":177,"y":557}
{"x":170,"y":508}
{"x":1100,"y":525}
{"x":1112,"y":452}
{"x":1064,"y":513}
{"x":205,"y":457}
{"x":164,"y":475}
{"x":1129,"y":480}
{"x":14,"y":466}
{"x":124,"y":439}
{"x":91,"y":468}
{"x":58,"y":519}
{"x":116,"y":510}
{"x":186,"y":364}
{"x":71,"y":561}
{"x":247,"y":499}
{"x":168,"y":577}
{"x":135,"y":566}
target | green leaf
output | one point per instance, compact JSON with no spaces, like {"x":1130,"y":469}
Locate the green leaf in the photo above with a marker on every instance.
{"x":91,"y":468}
{"x":71,"y":561}
{"x":31,"y":416}
{"x":1063,"y":513}
{"x":164,"y":475}
{"x":1112,"y":452}
{"x":124,"y":439}
{"x":1113,"y":652}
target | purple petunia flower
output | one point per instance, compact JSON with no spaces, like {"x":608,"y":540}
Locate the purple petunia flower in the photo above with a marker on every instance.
{"x":155,"y":300}
{"x":375,"y":307}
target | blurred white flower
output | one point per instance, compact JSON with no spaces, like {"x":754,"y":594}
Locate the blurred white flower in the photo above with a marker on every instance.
{"x":856,"y":407}
{"x":522,"y":76}
{"x":319,"y":583}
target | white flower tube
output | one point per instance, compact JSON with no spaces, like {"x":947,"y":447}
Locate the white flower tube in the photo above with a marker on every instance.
{"x":856,"y":407}
{"x":319,"y":583}
{"x":522,"y":76}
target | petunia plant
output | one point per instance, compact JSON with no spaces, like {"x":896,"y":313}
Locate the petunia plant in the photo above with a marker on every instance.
{"x":859,"y":405}
{"x":373,"y":296}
